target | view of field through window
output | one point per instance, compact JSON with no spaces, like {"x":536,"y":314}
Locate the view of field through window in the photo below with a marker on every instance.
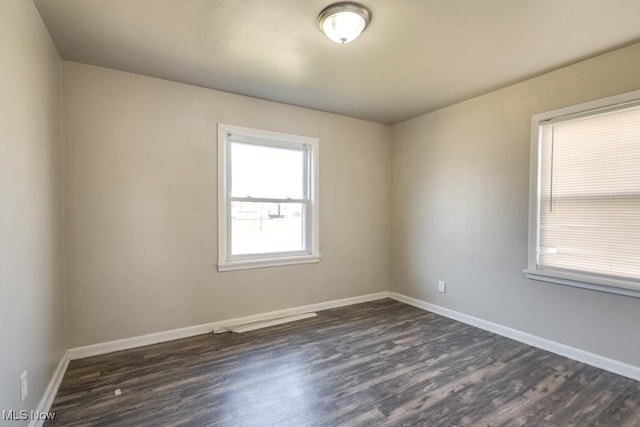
{"x":266,"y":227}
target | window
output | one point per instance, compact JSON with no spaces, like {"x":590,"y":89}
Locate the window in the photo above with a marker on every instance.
{"x":267,"y":198}
{"x":585,"y":196}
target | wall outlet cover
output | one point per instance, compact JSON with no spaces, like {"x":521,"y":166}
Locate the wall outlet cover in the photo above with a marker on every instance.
{"x":442,"y":286}
{"x":24,"y":386}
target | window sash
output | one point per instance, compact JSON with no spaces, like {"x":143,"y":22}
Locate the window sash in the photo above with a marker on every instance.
{"x":260,"y":142}
{"x":306,"y":226}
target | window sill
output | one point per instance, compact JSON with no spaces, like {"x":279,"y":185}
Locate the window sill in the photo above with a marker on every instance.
{"x":612,"y":286}
{"x":267,"y":262}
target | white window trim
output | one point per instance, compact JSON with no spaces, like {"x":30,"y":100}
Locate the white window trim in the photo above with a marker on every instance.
{"x":533,"y":271}
{"x":225,"y":261}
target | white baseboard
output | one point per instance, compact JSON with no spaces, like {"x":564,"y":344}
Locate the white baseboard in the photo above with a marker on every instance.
{"x":174,"y":334}
{"x":52,"y":390}
{"x":583,"y":356}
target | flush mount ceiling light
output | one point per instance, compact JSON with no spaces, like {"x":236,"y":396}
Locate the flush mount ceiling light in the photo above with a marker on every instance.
{"x":344,"y":22}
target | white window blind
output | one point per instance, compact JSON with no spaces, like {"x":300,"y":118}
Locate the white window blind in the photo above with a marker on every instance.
{"x":589,"y":193}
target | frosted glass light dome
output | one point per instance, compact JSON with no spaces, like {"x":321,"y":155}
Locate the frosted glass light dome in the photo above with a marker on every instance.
{"x":344,"y":22}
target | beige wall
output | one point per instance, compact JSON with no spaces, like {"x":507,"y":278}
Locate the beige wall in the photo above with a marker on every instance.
{"x":459,"y":197}
{"x":31,"y":294}
{"x":141,"y":207}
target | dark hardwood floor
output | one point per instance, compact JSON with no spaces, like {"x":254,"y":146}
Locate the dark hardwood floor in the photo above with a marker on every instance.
{"x":378,"y":363}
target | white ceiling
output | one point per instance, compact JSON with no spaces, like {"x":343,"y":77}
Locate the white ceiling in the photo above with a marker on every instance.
{"x":415,"y":57}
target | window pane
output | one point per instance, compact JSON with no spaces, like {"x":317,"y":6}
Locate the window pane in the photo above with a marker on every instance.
{"x":266,"y":172}
{"x":266,"y":227}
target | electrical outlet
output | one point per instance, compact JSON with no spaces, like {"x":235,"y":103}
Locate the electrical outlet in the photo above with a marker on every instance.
{"x":442,"y":286}
{"x":24,"y":386}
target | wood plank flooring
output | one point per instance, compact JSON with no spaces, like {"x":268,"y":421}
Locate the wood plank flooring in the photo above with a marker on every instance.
{"x":379,"y":363}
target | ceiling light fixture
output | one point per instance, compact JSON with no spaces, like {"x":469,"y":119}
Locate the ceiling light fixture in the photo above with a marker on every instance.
{"x":344,"y":22}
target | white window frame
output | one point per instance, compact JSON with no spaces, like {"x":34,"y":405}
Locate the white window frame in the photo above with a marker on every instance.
{"x":533,"y":271}
{"x":311,"y":254}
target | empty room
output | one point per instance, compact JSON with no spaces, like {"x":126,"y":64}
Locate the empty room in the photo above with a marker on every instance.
{"x":317,"y":213}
